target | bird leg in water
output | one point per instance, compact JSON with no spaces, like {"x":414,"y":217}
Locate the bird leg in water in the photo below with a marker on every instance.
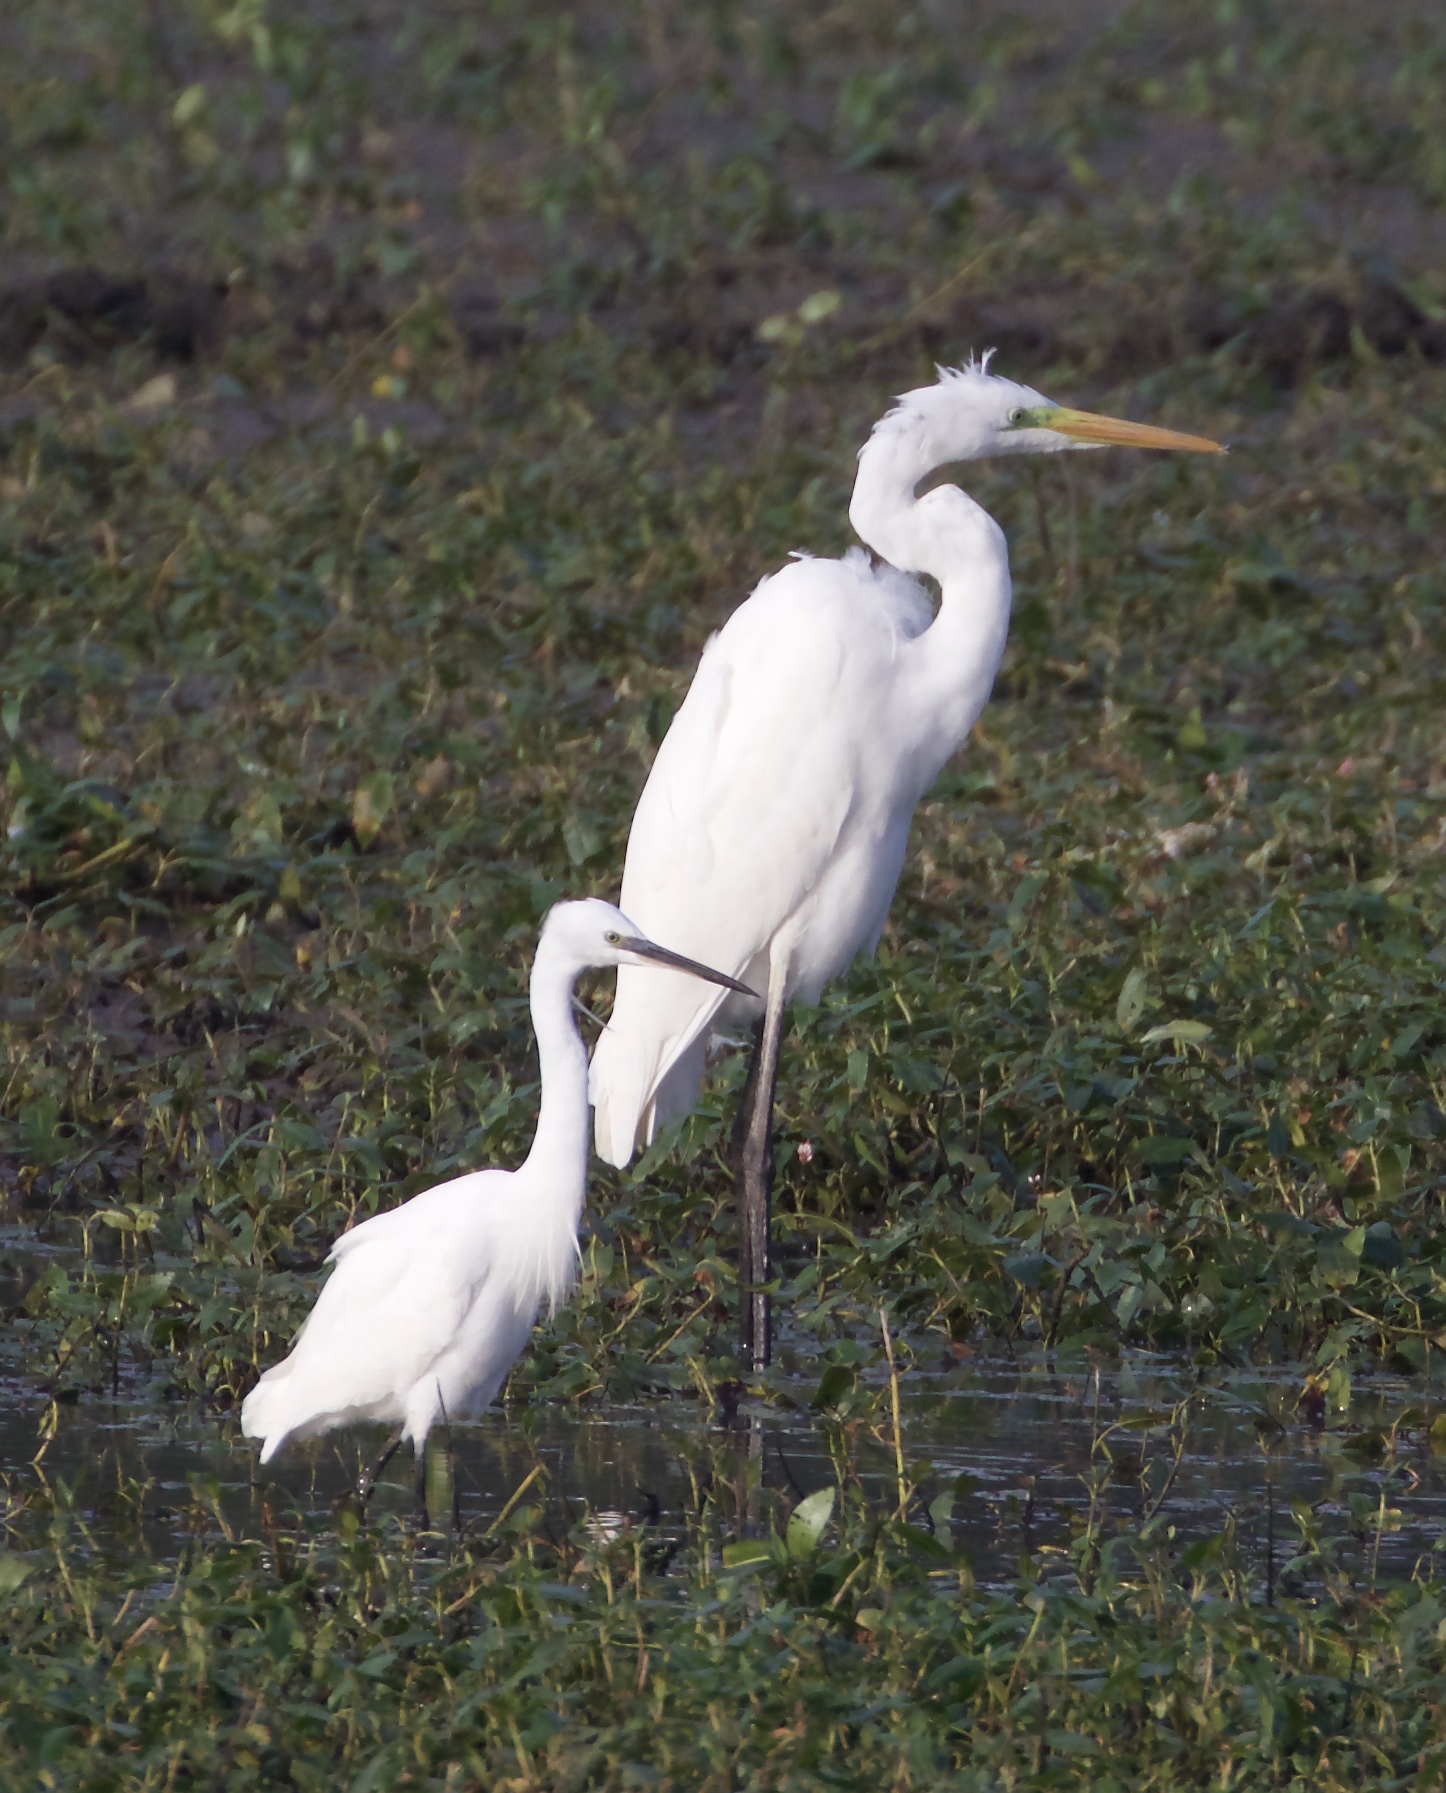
{"x":451,"y":1466}
{"x":368,"y":1478}
{"x":753,"y":1166}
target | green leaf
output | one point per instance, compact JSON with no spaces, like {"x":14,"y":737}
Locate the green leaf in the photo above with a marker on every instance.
{"x":836,"y":1381}
{"x":818,"y":306}
{"x":1072,"y":1743}
{"x":807,"y":1520}
{"x":1183,"y":1033}
{"x":371,"y":804}
{"x":13,"y":1570}
{"x":1264,"y":575}
{"x":924,"y":1542}
{"x":744,"y":1553}
{"x":1025,"y":892}
{"x":39,"y":1123}
{"x":190,"y":103}
{"x":1128,"y":1304}
{"x":961,"y":1673}
{"x":1381,"y":1248}
{"x":1163,"y":1149}
{"x":1244,"y":1326}
{"x":659,"y":714}
{"x":582,"y":837}
{"x":1192,"y":736}
{"x":777,"y":328}
{"x":1131,"y":1003}
{"x":1028,"y":1269}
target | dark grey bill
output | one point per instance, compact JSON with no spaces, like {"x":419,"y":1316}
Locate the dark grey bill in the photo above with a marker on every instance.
{"x":661,"y":956}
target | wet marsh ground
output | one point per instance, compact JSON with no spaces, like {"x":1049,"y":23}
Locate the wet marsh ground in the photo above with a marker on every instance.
{"x":388,"y":411}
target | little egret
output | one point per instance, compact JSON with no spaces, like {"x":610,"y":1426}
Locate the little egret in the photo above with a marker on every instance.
{"x":431,"y":1303}
{"x":771,"y":831}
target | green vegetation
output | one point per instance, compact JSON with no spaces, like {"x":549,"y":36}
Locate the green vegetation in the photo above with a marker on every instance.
{"x":390,"y":407}
{"x":841,"y":1647}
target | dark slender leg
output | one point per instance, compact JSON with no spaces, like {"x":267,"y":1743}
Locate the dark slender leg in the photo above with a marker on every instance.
{"x":737,"y":1152}
{"x":368,"y":1479}
{"x":424,"y":1518}
{"x":753,"y":1167}
{"x":451,"y":1467}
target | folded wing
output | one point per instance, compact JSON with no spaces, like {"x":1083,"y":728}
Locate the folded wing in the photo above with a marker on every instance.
{"x":401,"y":1292}
{"x":741,"y":815}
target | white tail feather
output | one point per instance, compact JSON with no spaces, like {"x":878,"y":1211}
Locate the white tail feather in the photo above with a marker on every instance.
{"x":620,"y":1096}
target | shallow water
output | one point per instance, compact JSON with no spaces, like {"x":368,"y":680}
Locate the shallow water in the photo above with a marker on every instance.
{"x":1021,"y":1435}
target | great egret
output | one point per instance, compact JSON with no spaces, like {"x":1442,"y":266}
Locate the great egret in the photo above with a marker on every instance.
{"x":430,"y":1303}
{"x":771,"y":831}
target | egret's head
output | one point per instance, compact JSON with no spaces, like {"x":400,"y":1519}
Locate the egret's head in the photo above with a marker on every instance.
{"x":970,"y":413}
{"x":592,"y":932}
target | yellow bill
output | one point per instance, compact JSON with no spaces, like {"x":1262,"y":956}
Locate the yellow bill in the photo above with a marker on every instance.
{"x":1110,"y":432}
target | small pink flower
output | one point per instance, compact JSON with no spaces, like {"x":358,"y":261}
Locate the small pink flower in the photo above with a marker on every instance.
{"x":805,"y":1152}
{"x":1345,"y":768}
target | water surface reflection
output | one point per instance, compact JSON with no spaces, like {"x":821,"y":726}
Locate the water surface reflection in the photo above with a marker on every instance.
{"x":1017,"y":1443}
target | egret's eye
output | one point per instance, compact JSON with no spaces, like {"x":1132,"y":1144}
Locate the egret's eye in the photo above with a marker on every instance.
{"x":1016,"y":416}
{"x":613,"y":938}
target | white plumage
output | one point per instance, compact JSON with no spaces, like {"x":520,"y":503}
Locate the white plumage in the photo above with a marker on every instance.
{"x":774,"y":821}
{"x":772,"y":828}
{"x":425,"y":1312}
{"x":429,"y":1305}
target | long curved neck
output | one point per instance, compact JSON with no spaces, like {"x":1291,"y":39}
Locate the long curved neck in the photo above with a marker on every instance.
{"x":555,"y":1170}
{"x":945,"y":536}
